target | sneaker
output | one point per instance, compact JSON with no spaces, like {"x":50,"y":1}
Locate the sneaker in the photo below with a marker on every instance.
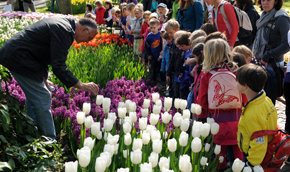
{"x":286,"y":167}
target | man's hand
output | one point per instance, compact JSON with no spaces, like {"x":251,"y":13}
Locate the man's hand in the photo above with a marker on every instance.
{"x":49,"y":85}
{"x":159,"y":59}
{"x":90,"y":87}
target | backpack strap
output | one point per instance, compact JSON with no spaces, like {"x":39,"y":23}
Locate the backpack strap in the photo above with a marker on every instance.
{"x":261,"y":133}
{"x":222,"y":10}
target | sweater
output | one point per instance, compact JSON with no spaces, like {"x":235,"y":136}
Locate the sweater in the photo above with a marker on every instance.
{"x":153,"y":45}
{"x":100,"y":12}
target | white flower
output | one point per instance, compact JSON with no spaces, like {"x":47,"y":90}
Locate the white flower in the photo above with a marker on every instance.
{"x":121,"y":105}
{"x":81,"y":117}
{"x":217,"y":149}
{"x":166,"y":170}
{"x":214,"y":128}
{"x":183,"y":104}
{"x":112,"y":140}
{"x":156,"y":109}
{"x":221,"y":159}
{"x":196,"y":145}
{"x":84,"y":156}
{"x":184,"y":163}
{"x":86,"y":108}
{"x":132,"y":107}
{"x":89,"y":142}
{"x":196,"y":109}
{"x":166,"y":117}
{"x":186,"y":114}
{"x":146,"y":167}
{"x":100,"y":164}
{"x":165,"y":135}
{"x":71,"y":166}
{"x":258,"y":169}
{"x":106,"y":105}
{"x":150,"y":128}
{"x":108,"y":124}
{"x":196,"y":127}
{"x":125,"y":153}
{"x":108,"y":157}
{"x":112,"y":116}
{"x":143,"y":123}
{"x":123,"y":170}
{"x":177,"y":119}
{"x":172,"y":145}
{"x":167,"y":103}
{"x":155,"y":135}
{"x":157,"y":146}
{"x":133,"y":116}
{"x":146,"y":103}
{"x":183,"y":139}
{"x":153,"y":159}
{"x":116,"y":149}
{"x":99,"y":135}
{"x":158,"y":103}
{"x":155,"y":97}
{"x":99,"y":99}
{"x":89,"y":121}
{"x":247,"y":169}
{"x":154,"y":118}
{"x":206,"y":147}
{"x":136,"y":156}
{"x":145,"y":138}
{"x":203,"y":161}
{"x":164,"y":163}
{"x":238,"y":165}
{"x":137,"y":144}
{"x":109,"y":148}
{"x":144,"y":112}
{"x":122,"y":112}
{"x":177,"y":103}
{"x":209,"y":120}
{"x":205,"y":129}
{"x":184,"y":125}
{"x":127,"y":103}
{"x":128,"y":119}
{"x":127,"y":127}
{"x":95,"y":128}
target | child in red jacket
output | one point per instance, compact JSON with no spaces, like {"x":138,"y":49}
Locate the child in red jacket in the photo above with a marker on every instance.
{"x":100,"y":11}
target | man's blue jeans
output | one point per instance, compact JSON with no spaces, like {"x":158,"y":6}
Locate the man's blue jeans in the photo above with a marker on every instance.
{"x":38,"y":102}
{"x":52,"y":5}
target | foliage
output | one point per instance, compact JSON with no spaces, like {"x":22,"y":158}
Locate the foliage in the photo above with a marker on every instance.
{"x":78,"y":6}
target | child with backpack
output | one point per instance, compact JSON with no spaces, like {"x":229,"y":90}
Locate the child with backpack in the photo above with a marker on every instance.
{"x":219,"y":96}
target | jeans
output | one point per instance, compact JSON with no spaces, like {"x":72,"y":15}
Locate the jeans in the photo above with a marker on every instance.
{"x":38,"y":102}
{"x":52,"y":5}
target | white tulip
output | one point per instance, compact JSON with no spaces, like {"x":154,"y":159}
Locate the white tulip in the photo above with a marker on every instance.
{"x":196,"y":109}
{"x":186,"y":114}
{"x":106,"y":104}
{"x":127,"y":103}
{"x":214,"y":128}
{"x":81,"y":117}
{"x":196,"y":127}
{"x":86,"y":108}
{"x":157,"y":109}
{"x":164,"y":163}
{"x":144,"y":112}
{"x":183,"y":104}
{"x":184,"y":125}
{"x":177,"y":103}
{"x":238,"y":165}
{"x":99,"y":100}
{"x":183,"y":139}
{"x":146,"y":103}
{"x":167,"y":103}
{"x":184,"y":163}
{"x":165,"y":135}
{"x":109,"y":148}
{"x":128,"y":119}
{"x":217,"y":149}
{"x":125,"y":153}
{"x":209,"y":120}
{"x":105,"y":136}
{"x":221,"y":159}
{"x":95,"y":128}
{"x":150,"y":128}
{"x":166,"y":170}
{"x":122,"y":112}
{"x":177,"y":119}
{"x":89,"y":121}
{"x":108,"y":124}
{"x":108,"y":157}
{"x":154,"y":119}
{"x":112,"y":140}
{"x":89,"y":142}
{"x":166,"y":117}
{"x":159,"y":103}
{"x":137,"y":144}
{"x":84,"y":156}
{"x":203,"y":161}
{"x":143,"y":123}
{"x":155,"y":135}
{"x":172,"y":145}
{"x":127,"y":127}
{"x":206,"y":147}
{"x":205,"y":129}
{"x":122,"y":105}
{"x":123,"y":170}
{"x":112,"y":116}
{"x":153,"y":159}
{"x":157,"y":146}
{"x":136,"y":156}
{"x":145,"y":138}
{"x":247,"y":169}
{"x":100,"y":164}
{"x":116,"y":149}
{"x":155,"y":97}
{"x":258,"y":169}
{"x":99,"y":135}
{"x":71,"y":166}
{"x":196,"y":145}
{"x":133,"y":116}
{"x":146,"y":167}
{"x":132,"y":107}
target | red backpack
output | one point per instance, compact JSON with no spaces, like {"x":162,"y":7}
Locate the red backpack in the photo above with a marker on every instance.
{"x":278,"y":149}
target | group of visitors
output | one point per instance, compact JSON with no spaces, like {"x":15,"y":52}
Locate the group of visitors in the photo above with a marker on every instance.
{"x":22,"y":5}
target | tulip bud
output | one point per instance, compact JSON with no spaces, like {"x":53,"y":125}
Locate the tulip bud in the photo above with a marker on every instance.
{"x":99,"y":99}
{"x":153,"y":159}
{"x":159,"y":103}
{"x":86,"y":108}
{"x":109,"y":148}
{"x":196,"y":109}
{"x":221,"y":159}
{"x":136,"y":156}
{"x":177,"y":119}
{"x":177,"y":103}
{"x":132,"y":107}
{"x":100,"y":165}
{"x":125,"y":153}
{"x":166,"y":117}
{"x":108,"y":157}
{"x":150,"y":128}
{"x":144,"y":112}
{"x":155,"y":97}
{"x":206,"y":147}
{"x":156,"y":109}
{"x":172,"y":145}
{"x":154,"y":118}
{"x":89,"y":121}
{"x":209,"y":120}
{"x":183,"y":104}
{"x":184,"y":163}
{"x":89,"y":142}
{"x":84,"y":156}
{"x":143,"y":123}
{"x":146,"y":167}
{"x":196,"y":145}
{"x":155,"y":135}
{"x":214,"y":128}
{"x":123,"y":170}
{"x":165,"y":134}
{"x":238,"y":165}
{"x":127,"y":103}
{"x":71,"y":166}
{"x":95,"y":128}
{"x":157,"y":146}
{"x":258,"y":169}
{"x":106,"y":105}
{"x":205,"y":129}
{"x":112,"y":140}
{"x":99,"y":135}
{"x":183,"y":139}
{"x":164,"y":163}
{"x":81,"y":117}
{"x":248,"y":169}
{"x":145,"y":138}
{"x":137,"y":144}
{"x":133,"y":116}
{"x":217,"y":149}
{"x":184,"y":125}
{"x":167,"y":103}
{"x":186,"y":114}
{"x":128,"y":119}
{"x":203,"y":161}
{"x":146,"y":103}
{"x":196,"y":129}
{"x":122,"y":112}
{"x":127,"y":127}
{"x":108,"y":124}
{"x":116,"y":148}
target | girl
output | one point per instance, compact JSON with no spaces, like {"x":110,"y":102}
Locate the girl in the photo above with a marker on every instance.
{"x":130,"y":18}
{"x":123,"y":21}
{"x":100,"y":11}
{"x":89,"y":9}
{"x":108,"y":18}
{"x":216,"y":58}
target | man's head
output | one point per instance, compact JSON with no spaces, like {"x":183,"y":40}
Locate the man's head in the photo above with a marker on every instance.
{"x":171,"y":27}
{"x":86,"y":30}
{"x":252,"y":77}
{"x":154,"y":25}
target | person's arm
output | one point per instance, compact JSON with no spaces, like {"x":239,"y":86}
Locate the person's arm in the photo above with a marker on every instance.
{"x":230,"y":13}
{"x":110,"y":17}
{"x":148,"y":46}
{"x":203,"y":90}
{"x":198,"y":15}
{"x":89,"y":87}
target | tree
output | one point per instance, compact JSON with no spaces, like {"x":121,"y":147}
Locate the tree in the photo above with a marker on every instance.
{"x":65,"y":7}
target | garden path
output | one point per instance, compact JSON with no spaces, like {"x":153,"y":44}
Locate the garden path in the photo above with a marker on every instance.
{"x":37,"y":3}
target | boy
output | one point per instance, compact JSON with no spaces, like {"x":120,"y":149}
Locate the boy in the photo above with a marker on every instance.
{"x":153,"y":45}
{"x":100,"y":12}
{"x":258,"y":114}
{"x":135,"y":30}
{"x":166,"y":56}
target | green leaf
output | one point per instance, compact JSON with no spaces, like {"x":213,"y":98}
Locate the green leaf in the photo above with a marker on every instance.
{"x":3,"y":139}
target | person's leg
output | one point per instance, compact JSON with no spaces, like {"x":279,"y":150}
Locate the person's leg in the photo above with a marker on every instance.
{"x":38,"y":104}
{"x":32,"y":7}
{"x":25,"y":6}
{"x":52,"y":6}
{"x":287,"y":111}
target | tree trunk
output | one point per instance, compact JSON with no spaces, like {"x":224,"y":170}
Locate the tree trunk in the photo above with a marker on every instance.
{"x":65,"y":7}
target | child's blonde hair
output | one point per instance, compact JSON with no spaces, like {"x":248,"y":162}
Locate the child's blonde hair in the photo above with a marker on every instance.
{"x":130,"y":7}
{"x":146,"y":13}
{"x":242,"y":49}
{"x":153,"y":15}
{"x":136,"y":9}
{"x":196,"y":34}
{"x":171,"y":24}
{"x":140,"y":5}
{"x":216,"y":51}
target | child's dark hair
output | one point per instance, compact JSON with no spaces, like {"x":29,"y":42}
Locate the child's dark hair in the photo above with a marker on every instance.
{"x":239,"y":58}
{"x":198,"y":51}
{"x":109,"y":3}
{"x":90,"y":7}
{"x":253,"y":76}
{"x":166,"y":36}
{"x":215,"y":35}
{"x":208,"y":28}
{"x":98,"y":3}
{"x":154,"y":22}
{"x":118,"y":11}
{"x":183,"y":38}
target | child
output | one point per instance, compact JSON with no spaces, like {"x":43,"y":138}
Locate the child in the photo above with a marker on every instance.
{"x":100,"y":11}
{"x":144,"y":28}
{"x":108,"y":18}
{"x":162,"y":11}
{"x":208,"y":28}
{"x":166,"y":56}
{"x":153,"y":45}
{"x":130,"y":18}
{"x":258,"y":114}
{"x":242,"y":49}
{"x":89,"y":9}
{"x":220,"y":98}
{"x":123,"y":22}
{"x":135,"y":30}
{"x":239,"y":59}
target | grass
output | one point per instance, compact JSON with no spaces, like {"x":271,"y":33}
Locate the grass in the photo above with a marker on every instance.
{"x":286,"y":4}
{"x":45,"y":10}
